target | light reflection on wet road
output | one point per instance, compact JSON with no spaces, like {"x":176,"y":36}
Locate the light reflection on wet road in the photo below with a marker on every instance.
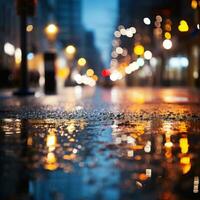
{"x":109,"y":144}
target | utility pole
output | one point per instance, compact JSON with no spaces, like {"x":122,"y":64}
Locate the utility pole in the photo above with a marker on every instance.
{"x":25,"y":8}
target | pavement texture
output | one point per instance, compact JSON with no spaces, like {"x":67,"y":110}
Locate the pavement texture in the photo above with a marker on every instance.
{"x":101,"y":144}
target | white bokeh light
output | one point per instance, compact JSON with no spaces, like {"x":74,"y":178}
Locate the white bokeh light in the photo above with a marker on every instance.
{"x":167,"y":44}
{"x":147,"y":55}
{"x":147,"y":21}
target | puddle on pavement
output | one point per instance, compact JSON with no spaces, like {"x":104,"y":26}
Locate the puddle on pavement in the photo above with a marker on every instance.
{"x":79,"y":159}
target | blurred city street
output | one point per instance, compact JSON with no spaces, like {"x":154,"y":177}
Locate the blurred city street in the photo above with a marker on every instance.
{"x":131,"y":143}
{"x":99,"y":99}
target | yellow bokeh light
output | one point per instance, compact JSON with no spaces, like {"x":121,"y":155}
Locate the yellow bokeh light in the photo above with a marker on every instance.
{"x":63,"y":72}
{"x":185,"y":160}
{"x":51,"y":140}
{"x":82,"y":62}
{"x":186,"y":168}
{"x":138,"y":50}
{"x":51,"y":158}
{"x":51,"y":162}
{"x":69,"y":157}
{"x":185,"y":164}
{"x":183,"y":27}
{"x":182,"y":127}
{"x":29,"y":28}
{"x":71,"y":127}
{"x":70,"y":50}
{"x":183,"y":142}
{"x":137,"y":97}
{"x":168,"y":35}
{"x":51,"y":29}
{"x":95,"y":77}
{"x":90,"y":72}
{"x":18,"y":56}
{"x":168,"y":144}
{"x":194,"y":4}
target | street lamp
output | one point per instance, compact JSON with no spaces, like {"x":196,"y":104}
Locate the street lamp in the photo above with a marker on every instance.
{"x":25,"y":8}
{"x":82,"y":62}
{"x":70,"y":52}
{"x":51,"y":31}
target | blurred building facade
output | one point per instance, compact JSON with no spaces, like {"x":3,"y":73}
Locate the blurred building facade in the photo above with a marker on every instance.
{"x":67,"y":15}
{"x":9,"y":39}
{"x":151,"y":36}
{"x":92,"y":54}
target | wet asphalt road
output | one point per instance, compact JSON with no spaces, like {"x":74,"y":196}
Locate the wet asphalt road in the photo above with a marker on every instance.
{"x":101,"y":144}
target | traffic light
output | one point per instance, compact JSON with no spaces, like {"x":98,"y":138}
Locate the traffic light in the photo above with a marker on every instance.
{"x":26,"y":7}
